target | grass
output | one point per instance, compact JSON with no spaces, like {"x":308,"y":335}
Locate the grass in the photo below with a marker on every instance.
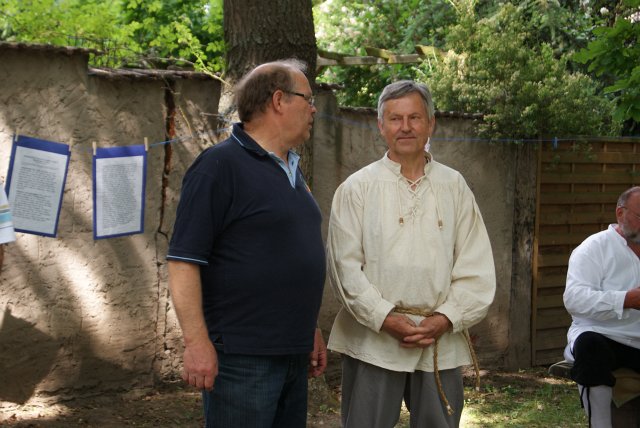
{"x":524,"y":398}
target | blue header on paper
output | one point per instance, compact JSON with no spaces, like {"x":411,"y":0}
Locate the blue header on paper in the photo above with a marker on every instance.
{"x":119,"y":152}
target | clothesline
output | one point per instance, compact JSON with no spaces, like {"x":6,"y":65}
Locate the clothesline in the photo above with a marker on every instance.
{"x":362,"y":124}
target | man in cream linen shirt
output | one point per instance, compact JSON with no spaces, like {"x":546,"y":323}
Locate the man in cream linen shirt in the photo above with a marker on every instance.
{"x":410,"y":260}
{"x":603,"y":298}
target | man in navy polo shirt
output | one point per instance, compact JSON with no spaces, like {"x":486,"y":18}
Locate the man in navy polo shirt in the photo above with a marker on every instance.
{"x":247,"y":262}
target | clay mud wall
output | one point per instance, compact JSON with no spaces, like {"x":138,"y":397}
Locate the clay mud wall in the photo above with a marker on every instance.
{"x":80,"y":317}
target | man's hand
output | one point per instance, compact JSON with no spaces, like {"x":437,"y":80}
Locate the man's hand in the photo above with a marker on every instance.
{"x":632,"y":298}
{"x":431,"y":328}
{"x":400,"y":326}
{"x":200,"y":364}
{"x":411,"y":335}
{"x":318,"y":357}
{"x":406,"y":331}
{"x":200,"y":358}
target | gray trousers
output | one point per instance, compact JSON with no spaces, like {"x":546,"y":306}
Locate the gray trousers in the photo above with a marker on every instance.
{"x":372,"y":396}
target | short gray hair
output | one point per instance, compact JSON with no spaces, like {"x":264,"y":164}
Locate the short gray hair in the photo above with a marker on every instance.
{"x":624,"y":197}
{"x":401,"y":88}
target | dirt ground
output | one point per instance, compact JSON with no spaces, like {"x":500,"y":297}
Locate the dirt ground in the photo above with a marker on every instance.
{"x":169,"y":405}
{"x":173,"y":405}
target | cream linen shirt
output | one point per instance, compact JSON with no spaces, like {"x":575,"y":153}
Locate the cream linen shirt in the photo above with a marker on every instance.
{"x":601,"y":271}
{"x":439,"y":260}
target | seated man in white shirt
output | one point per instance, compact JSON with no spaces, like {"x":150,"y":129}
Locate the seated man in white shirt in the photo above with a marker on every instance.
{"x":602,"y":295}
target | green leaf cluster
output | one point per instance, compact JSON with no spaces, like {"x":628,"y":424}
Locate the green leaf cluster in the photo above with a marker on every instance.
{"x":62,"y":22}
{"x":506,"y":60}
{"x":136,"y":33}
{"x":614,"y":54}
{"x":523,"y":89}
{"x":178,"y":31}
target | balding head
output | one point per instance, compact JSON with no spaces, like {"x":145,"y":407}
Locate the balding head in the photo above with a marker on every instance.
{"x":624,"y":197}
{"x":254,"y":90}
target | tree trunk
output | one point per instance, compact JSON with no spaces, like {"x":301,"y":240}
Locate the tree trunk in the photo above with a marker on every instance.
{"x":258,"y":31}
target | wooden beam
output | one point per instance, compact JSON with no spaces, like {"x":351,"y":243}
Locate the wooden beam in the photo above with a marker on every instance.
{"x":374,"y":56}
{"x":331,"y":55}
{"x":423,"y":50}
{"x":380,"y":53}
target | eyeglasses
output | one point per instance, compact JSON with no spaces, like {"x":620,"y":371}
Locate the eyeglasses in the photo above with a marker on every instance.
{"x":308,"y":98}
{"x":632,"y":212}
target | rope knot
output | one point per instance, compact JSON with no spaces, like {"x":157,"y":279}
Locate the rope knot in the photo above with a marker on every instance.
{"x":425,"y":314}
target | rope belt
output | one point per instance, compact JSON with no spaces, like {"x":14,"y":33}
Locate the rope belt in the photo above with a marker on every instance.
{"x":443,"y":397}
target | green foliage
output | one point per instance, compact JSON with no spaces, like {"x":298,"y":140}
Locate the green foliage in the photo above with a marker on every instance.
{"x":129,"y":32}
{"x":524,"y":90}
{"x":615,"y":55}
{"x":346,"y":27}
{"x":182,"y":31}
{"x":61,"y":22}
{"x":562,"y":25}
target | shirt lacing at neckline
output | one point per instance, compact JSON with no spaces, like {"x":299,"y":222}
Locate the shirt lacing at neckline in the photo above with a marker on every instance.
{"x":413,"y":187}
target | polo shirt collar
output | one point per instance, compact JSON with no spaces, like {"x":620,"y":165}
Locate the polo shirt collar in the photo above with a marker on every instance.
{"x":241,"y":137}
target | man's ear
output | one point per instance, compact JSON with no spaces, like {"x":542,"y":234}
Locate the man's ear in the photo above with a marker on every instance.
{"x":277,"y":99}
{"x":619,"y":213}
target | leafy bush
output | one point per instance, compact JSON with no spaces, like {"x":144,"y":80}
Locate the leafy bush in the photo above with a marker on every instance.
{"x":137,"y":33}
{"x":523,"y":91}
{"x":615,"y":55}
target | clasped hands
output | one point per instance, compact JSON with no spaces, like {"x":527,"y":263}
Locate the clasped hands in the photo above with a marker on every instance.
{"x":412,"y":335}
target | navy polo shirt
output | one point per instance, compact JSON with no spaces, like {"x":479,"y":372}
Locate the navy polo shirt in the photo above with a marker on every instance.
{"x":257,"y":240}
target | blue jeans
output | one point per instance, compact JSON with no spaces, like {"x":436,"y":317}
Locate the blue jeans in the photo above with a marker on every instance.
{"x":256,"y":391}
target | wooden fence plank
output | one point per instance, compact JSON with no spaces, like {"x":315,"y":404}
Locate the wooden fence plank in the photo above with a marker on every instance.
{"x":552,"y":260}
{"x":552,"y":281}
{"x":568,"y":198}
{"x":556,"y":319}
{"x":562,"y":239}
{"x":555,"y":338}
{"x":547,"y":302}
{"x":630,"y":179}
{"x":577,"y":218}
{"x":557,"y":157}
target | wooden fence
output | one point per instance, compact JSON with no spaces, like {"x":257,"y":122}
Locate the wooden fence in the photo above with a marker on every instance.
{"x":578,"y":185}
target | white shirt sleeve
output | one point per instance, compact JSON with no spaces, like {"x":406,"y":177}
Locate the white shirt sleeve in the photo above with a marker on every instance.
{"x":591,"y":291}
